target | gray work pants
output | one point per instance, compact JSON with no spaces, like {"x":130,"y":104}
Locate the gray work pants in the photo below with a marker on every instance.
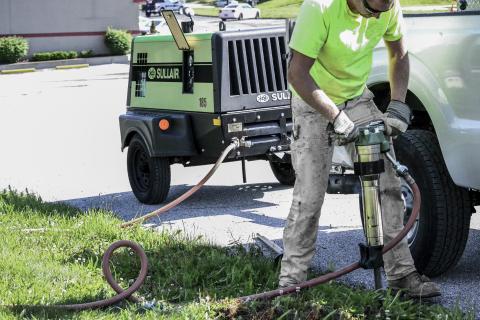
{"x":312,"y":159}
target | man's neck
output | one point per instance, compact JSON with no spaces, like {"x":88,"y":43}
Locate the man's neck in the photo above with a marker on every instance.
{"x":352,"y":6}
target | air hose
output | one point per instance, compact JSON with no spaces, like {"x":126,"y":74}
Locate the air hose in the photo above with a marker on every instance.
{"x":128,"y":293}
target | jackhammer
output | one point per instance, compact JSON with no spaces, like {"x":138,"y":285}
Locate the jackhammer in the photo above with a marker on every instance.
{"x":370,"y":144}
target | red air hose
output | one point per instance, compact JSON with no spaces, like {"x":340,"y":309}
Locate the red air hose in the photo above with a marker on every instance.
{"x":264,"y":295}
{"x":122,"y":294}
{"x":127,"y":294}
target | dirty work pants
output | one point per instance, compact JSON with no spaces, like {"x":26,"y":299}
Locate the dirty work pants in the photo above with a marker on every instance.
{"x":312,"y":159}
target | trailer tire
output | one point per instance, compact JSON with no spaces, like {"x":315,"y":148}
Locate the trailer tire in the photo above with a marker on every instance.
{"x":445,"y":210}
{"x":149,"y":176}
{"x":284,"y":172}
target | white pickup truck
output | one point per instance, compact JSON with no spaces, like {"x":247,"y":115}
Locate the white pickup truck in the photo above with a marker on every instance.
{"x":442,"y":146}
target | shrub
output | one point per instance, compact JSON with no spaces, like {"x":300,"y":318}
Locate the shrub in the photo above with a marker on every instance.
{"x":85,"y":53}
{"x":118,"y":41}
{"x":54,"y":55}
{"x":12,"y":49}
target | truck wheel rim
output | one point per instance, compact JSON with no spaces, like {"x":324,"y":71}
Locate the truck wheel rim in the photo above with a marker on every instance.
{"x":142,"y":170}
{"x":407,"y":196}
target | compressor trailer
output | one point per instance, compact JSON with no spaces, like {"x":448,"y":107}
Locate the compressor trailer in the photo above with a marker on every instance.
{"x":189,"y":95}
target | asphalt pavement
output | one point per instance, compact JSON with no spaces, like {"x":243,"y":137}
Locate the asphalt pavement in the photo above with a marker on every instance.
{"x":61,"y":140}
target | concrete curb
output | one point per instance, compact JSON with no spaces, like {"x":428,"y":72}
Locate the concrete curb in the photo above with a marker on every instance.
{"x":73,"y":66}
{"x":14,"y":71}
{"x":55,"y":63}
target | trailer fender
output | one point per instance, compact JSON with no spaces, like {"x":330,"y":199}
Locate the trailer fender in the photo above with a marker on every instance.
{"x":177,"y":140}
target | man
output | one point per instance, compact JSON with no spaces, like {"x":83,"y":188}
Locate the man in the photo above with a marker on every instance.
{"x":332,"y":46}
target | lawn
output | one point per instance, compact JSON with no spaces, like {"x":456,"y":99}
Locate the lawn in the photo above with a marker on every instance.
{"x":51,"y":254}
{"x":289,"y":8}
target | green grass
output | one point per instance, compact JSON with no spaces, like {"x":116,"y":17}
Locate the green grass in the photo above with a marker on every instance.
{"x":51,"y":254}
{"x":289,"y":8}
{"x":209,"y":12}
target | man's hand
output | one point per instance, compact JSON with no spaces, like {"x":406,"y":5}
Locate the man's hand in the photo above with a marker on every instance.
{"x":398,"y":118}
{"x":344,"y":128}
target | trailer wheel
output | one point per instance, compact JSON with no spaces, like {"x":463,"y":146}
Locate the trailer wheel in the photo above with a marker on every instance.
{"x":149,"y":176}
{"x":283,"y":171}
{"x":438,"y":241}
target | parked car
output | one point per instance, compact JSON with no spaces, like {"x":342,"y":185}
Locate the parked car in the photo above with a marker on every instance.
{"x":188,"y":11}
{"x":223,"y":3}
{"x":156,"y":6}
{"x":239,"y":11}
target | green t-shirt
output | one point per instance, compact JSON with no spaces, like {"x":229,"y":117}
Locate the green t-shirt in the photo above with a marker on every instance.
{"x":342,"y":44}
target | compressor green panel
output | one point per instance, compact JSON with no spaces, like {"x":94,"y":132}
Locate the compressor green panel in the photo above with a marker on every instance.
{"x":157,"y":74}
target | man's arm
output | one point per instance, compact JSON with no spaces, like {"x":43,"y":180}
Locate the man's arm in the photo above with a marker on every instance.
{"x":398,"y":113}
{"x":300,"y":79}
{"x":399,"y":69}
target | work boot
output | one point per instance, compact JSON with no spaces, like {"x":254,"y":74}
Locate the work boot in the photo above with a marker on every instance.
{"x":415,"y":286}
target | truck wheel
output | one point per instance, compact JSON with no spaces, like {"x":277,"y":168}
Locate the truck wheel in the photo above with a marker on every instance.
{"x":439,"y":238}
{"x":148,"y":14}
{"x":283,"y":171}
{"x":149,"y":176}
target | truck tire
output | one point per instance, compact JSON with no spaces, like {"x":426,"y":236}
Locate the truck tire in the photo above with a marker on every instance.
{"x":284,"y":172}
{"x":444,"y":223}
{"x":149,"y":176}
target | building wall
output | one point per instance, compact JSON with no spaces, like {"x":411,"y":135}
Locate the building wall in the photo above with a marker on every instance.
{"x":66,"y":24}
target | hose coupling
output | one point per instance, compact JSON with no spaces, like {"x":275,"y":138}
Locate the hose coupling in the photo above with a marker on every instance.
{"x":400,"y":169}
{"x":236,"y":143}
{"x":242,"y":142}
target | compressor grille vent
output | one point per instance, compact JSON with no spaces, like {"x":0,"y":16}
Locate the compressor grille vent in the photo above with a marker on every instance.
{"x":142,"y":57}
{"x":257,"y":65}
{"x":141,"y":84}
